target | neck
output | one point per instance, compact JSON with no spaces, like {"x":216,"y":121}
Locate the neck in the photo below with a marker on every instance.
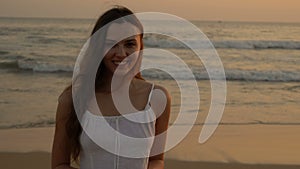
{"x":109,"y":85}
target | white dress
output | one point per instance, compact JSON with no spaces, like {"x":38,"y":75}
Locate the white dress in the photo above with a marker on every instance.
{"x":117,"y":142}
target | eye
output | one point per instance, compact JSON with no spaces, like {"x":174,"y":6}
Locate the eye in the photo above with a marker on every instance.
{"x":131,"y":44}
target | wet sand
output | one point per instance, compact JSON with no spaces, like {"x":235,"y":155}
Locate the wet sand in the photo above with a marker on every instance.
{"x":234,"y":147}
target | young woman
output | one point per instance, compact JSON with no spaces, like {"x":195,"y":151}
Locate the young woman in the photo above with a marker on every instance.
{"x":73,"y":139}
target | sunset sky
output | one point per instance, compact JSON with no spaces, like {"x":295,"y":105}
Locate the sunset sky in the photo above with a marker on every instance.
{"x":225,"y":10}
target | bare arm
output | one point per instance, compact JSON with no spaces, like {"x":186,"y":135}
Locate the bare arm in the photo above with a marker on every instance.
{"x":162,"y":122}
{"x":60,"y":149}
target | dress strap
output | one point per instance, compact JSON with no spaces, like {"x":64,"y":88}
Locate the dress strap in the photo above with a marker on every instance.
{"x":150,"y":94}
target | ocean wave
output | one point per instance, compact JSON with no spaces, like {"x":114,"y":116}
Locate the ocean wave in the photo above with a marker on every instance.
{"x":273,"y":76}
{"x":40,"y":123}
{"x":3,"y":53}
{"x":234,"y":75}
{"x":255,"y":44}
{"x":29,"y":64}
{"x":167,"y":42}
{"x":293,"y":88}
{"x":11,"y":30}
{"x":36,"y":66}
{"x":33,"y":65}
{"x":9,"y":64}
{"x":231,"y":74}
{"x":44,"y":40}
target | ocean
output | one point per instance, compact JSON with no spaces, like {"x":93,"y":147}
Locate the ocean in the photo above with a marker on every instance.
{"x":261,"y":62}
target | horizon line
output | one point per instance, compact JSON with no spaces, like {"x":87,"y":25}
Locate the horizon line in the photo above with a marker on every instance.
{"x":203,"y":20}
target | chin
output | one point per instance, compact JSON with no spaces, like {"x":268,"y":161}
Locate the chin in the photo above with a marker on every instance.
{"x":121,"y":73}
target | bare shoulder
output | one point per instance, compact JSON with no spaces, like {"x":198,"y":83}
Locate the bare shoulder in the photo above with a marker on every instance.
{"x":143,"y":85}
{"x":164,"y":90}
{"x":161,"y":102}
{"x":65,"y":104}
{"x":147,"y":86}
{"x":66,"y":96}
{"x":160,"y":99}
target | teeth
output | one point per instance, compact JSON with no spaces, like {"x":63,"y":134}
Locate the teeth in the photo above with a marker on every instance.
{"x":120,"y":63}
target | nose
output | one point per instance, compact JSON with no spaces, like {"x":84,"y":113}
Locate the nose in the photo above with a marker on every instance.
{"x":120,"y":51}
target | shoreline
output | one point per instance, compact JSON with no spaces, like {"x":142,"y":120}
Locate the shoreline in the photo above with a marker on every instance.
{"x":42,"y":160}
{"x":237,"y":146}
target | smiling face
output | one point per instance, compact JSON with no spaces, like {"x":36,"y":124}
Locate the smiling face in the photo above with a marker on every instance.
{"x":121,"y":54}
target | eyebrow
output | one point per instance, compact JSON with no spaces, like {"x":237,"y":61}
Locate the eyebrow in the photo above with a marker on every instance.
{"x":127,"y":40}
{"x":130,"y":40}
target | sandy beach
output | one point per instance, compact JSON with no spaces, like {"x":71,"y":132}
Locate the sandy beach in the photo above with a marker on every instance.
{"x":235,"y":147}
{"x":41,"y":160}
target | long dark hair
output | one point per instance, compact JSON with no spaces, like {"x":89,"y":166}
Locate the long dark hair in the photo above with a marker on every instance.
{"x":73,"y":126}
